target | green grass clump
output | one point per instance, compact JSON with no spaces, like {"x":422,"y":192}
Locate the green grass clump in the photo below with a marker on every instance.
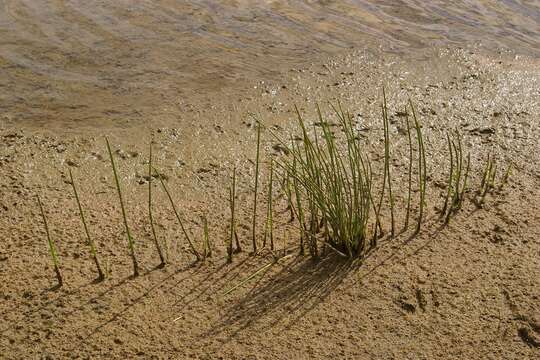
{"x":131,"y":243}
{"x":91,"y":244}
{"x":150,"y":215}
{"x":330,"y":187}
{"x":329,"y":184}
{"x":52,"y":248}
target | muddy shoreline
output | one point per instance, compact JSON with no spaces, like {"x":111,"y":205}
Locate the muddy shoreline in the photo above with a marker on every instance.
{"x":469,"y":290}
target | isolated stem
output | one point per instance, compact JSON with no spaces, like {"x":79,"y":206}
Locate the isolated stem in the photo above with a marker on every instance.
{"x":269,"y":214}
{"x":409,"y":192}
{"x":422,"y":178}
{"x":207,"y":249}
{"x":232,"y":195}
{"x":506,"y":176}
{"x":387,"y":162}
{"x":381,"y":199}
{"x":91,"y":243}
{"x":130,"y":239}
{"x":254,"y":223}
{"x":465,"y":178}
{"x":450,"y":176}
{"x":191,"y":246}
{"x":150,"y":215}
{"x":52,"y":248}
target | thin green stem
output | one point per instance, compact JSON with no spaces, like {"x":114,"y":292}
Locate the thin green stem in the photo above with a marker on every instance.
{"x":207,"y":247}
{"x":150,"y":215}
{"x":52,"y":248}
{"x":422,"y":178}
{"x":409,"y":181}
{"x":232,"y":197}
{"x":269,"y":213}
{"x":128,"y":233}
{"x":91,"y":244}
{"x":450,"y":176}
{"x":254,"y":222}
{"x":188,"y":238}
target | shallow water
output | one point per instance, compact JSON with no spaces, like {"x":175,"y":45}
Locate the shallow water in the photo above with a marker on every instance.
{"x":81,"y":59}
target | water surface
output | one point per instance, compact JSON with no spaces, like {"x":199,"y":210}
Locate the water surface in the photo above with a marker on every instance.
{"x":91,"y":59}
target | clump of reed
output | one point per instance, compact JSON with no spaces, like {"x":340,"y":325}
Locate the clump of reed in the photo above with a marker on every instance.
{"x":131,"y":243}
{"x":52,"y":247}
{"x":331,"y":188}
{"x":329,"y":185}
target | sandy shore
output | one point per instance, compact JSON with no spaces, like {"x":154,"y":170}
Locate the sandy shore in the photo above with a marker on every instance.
{"x":469,"y":290}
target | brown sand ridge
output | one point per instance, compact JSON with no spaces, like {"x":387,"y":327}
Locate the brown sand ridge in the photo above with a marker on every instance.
{"x":469,"y":290}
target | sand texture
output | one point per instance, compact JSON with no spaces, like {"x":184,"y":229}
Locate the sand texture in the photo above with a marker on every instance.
{"x":470,"y":290}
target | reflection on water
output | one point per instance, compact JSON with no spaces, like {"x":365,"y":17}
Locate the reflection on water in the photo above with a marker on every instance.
{"x":125,"y":51}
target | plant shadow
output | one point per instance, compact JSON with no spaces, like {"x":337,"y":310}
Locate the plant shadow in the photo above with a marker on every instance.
{"x":287,"y":295}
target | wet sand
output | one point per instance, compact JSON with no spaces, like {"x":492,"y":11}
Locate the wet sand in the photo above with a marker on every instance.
{"x":468,"y":290}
